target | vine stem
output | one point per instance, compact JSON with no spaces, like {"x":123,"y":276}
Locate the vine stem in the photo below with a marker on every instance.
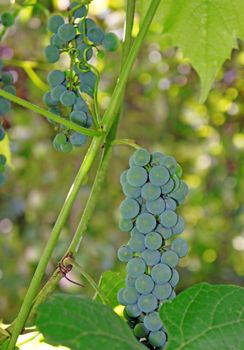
{"x":47,"y":114}
{"x":109,"y":118}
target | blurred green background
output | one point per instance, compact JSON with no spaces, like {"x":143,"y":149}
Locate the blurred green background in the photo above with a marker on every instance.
{"x":162,"y":113}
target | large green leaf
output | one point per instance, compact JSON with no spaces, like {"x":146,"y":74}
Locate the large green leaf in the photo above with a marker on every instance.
{"x":205,"y":317}
{"x":80,"y":323}
{"x":206,"y":31}
{"x":109,"y":284}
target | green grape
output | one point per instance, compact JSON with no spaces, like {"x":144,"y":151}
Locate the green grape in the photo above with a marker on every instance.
{"x":178,"y":171}
{"x":145,"y":223}
{"x":66,"y":147}
{"x":162,"y":291}
{"x":52,"y":53}
{"x":164,"y":232}
{"x":130,"y":295}
{"x":129,"y":208}
{"x":168,"y":187}
{"x":153,"y":241}
{"x":136,"y":176}
{"x":179,"y":227}
{"x":136,"y":267}
{"x":136,"y":242}
{"x":133,"y":310}
{"x":147,"y":303}
{"x":161,"y":273}
{"x":180,"y":194}
{"x":175,"y":278}
{"x":176,"y":181}
{"x":156,"y":207}
{"x":68,"y":98}
{"x":144,"y":284}
{"x":170,"y":163}
{"x":151,"y":257}
{"x":77,"y":139}
{"x":170,"y":258}
{"x":5,"y":106}
{"x":180,"y":247}
{"x":141,"y":157}
{"x":66,"y":32}
{"x":111,"y":42}
{"x":54,"y":22}
{"x":57,"y":92}
{"x":131,"y":191}
{"x":7,"y":19}
{"x":157,"y":339}
{"x":159,"y":175}
{"x":125,"y":225}
{"x":60,"y":138}
{"x":140,"y":330}
{"x":10,"y":89}
{"x":7,"y":78}
{"x":153,"y":322}
{"x":150,"y":192}
{"x":168,"y":218}
{"x":55,"y":77}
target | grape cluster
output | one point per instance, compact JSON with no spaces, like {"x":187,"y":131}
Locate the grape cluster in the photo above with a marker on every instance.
{"x":6,"y":83}
{"x":70,"y":90}
{"x":153,"y":189}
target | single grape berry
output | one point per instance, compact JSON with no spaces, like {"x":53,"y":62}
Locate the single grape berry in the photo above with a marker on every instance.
{"x":111,"y":42}
{"x":7,"y":19}
{"x":66,"y":32}
{"x":54,"y":22}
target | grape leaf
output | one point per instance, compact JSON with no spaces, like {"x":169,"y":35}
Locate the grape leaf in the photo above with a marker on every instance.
{"x":109,"y":284}
{"x":206,"y":31}
{"x":205,"y":317}
{"x":80,"y":323}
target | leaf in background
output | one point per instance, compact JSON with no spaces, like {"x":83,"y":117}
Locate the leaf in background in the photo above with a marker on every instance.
{"x":5,"y":149}
{"x":109,"y":284}
{"x":205,"y":317}
{"x":206,"y":31}
{"x":80,"y":323}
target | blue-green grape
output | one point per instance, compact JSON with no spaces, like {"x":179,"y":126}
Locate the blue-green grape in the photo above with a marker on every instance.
{"x":66,"y":147}
{"x":141,"y":157}
{"x":179,"y":227}
{"x":7,"y":78}
{"x":130,"y":281}
{"x":175,"y":278}
{"x":111,"y":42}
{"x":55,"y":77}
{"x":2,"y":134}
{"x":161,"y":273}
{"x":153,"y":322}
{"x":56,"y":41}
{"x":48,"y":100}
{"x":5,"y":106}
{"x":80,"y":12}
{"x":156,"y":207}
{"x":56,"y":92}
{"x":180,"y":247}
{"x":131,"y":191}
{"x":162,"y":291}
{"x":140,"y":330}
{"x":180,"y":194}
{"x":77,"y":139}
{"x":136,"y":243}
{"x":52,"y":53}
{"x":170,"y":203}
{"x":168,"y":218}
{"x":130,"y":295}
{"x":129,"y":208}
{"x":133,"y":310}
{"x":144,"y":284}
{"x":170,"y":163}
{"x":157,"y":339}
{"x":145,"y":223}
{"x":168,"y":187}
{"x":156,"y":157}
{"x":66,"y":32}
{"x":68,"y":98}
{"x":170,"y":258}
{"x":151,"y":257}
{"x":136,"y":267}
{"x":147,"y":303}
{"x":150,"y":192}
{"x":134,"y":231}
{"x":153,"y":241}
{"x":90,"y":23}
{"x":85,"y":52}
{"x":176,"y":181}
{"x":131,"y":161}
{"x":88,"y":78}
{"x":166,"y":233}
{"x":172,"y":295}
{"x":159,"y":175}
{"x":123,"y":178}
{"x":120,"y":296}
{"x":60,"y":138}
{"x":125,"y":225}
{"x":10,"y":89}
{"x":95,"y":35}
{"x":54,"y":22}
{"x":79,"y":117}
{"x":136,"y":176}
{"x":3,"y":159}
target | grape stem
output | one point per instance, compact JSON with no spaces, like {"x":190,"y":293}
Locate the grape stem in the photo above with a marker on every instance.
{"x":110,"y":117}
{"x":49,"y":115}
{"x":128,"y":142}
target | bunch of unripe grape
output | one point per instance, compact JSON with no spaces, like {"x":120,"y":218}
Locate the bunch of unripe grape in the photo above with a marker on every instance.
{"x":80,"y":37}
{"x":153,"y":189}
